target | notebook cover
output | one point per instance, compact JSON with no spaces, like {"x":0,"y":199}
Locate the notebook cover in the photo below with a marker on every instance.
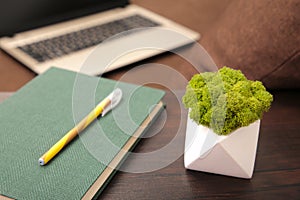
{"x":41,"y":112}
{"x":5,"y":95}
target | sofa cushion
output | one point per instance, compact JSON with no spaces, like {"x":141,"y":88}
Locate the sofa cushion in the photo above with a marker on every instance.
{"x":261,"y":38}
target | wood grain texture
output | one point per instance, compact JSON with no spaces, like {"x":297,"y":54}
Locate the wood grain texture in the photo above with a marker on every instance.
{"x":277,"y":168}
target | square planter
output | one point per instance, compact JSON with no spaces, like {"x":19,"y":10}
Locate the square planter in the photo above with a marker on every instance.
{"x":232,"y":155}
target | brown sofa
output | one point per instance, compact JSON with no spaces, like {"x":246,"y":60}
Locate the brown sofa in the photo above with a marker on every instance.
{"x":261,"y":37}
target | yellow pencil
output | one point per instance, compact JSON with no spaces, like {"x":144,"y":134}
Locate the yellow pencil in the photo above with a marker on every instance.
{"x":102,"y":108}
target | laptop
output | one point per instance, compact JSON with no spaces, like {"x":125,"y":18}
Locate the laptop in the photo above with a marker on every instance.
{"x":41,"y":34}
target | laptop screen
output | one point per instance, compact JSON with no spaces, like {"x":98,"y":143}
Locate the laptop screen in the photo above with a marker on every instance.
{"x":21,"y":15}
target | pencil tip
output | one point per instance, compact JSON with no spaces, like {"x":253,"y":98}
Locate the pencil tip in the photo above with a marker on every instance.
{"x":41,"y":161}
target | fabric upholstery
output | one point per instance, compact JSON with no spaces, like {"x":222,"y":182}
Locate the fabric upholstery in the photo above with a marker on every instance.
{"x":261,"y":38}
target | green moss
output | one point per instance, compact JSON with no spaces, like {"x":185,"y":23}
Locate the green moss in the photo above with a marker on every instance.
{"x":225,"y":100}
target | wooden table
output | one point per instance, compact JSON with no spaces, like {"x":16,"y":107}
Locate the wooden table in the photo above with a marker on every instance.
{"x":277,"y":168}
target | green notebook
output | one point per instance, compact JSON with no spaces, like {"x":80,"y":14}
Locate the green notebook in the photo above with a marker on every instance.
{"x":41,"y":112}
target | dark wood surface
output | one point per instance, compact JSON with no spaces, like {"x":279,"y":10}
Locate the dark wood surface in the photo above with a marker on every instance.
{"x":277,"y":168}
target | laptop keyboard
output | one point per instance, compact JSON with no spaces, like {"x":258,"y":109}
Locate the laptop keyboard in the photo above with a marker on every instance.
{"x":71,"y":42}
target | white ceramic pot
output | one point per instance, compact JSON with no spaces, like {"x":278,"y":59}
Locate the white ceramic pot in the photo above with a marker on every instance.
{"x":232,"y":155}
